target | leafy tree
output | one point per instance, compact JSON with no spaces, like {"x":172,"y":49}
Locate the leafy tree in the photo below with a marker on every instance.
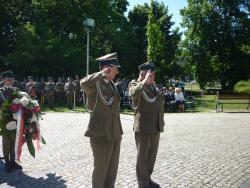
{"x":13,"y":13}
{"x":165,"y":44}
{"x":217,"y":37}
{"x":53,"y":42}
{"x":242,"y":86}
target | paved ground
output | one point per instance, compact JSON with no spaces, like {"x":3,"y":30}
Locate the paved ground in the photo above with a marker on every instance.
{"x":196,"y":150}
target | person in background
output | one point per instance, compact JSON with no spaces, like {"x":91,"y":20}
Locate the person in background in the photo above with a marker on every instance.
{"x":179,"y":99}
{"x":8,"y":139}
{"x":50,"y":92}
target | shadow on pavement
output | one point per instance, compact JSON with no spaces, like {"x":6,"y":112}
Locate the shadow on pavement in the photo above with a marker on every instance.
{"x":19,"y":179}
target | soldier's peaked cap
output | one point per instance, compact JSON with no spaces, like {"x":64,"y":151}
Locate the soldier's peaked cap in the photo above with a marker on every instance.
{"x":147,"y":66}
{"x":8,"y":74}
{"x":109,"y":59}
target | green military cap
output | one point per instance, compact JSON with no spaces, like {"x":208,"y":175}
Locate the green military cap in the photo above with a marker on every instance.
{"x":8,"y":74}
{"x":147,"y":66}
{"x":109,"y":59}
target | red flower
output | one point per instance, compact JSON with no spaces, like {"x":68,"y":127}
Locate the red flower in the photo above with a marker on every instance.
{"x":36,"y":109}
{"x":15,"y":107}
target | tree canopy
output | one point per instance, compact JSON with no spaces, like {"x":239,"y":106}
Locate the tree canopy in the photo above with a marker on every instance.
{"x":47,"y":38}
{"x":217,"y":40}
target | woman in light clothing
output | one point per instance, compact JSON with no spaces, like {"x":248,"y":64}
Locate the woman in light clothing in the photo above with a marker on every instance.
{"x":179,"y":99}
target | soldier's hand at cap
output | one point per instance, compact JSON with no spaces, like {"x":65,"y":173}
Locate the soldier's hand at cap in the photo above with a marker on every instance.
{"x":148,"y":77}
{"x":106,"y":71}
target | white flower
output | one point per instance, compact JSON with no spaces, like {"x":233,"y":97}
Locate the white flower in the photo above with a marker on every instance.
{"x":24,"y":101}
{"x":24,"y":94}
{"x":16,"y":101}
{"x":11,"y":125}
{"x":15,"y":116}
{"x":35,"y":103}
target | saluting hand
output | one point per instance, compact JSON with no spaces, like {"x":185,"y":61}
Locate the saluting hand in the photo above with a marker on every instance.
{"x":106,"y":71}
{"x":149,"y":77}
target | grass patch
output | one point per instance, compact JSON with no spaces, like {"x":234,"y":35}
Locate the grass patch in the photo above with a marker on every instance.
{"x":207,"y":103}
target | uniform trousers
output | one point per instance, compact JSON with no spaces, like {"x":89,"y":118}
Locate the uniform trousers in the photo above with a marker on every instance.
{"x":147,"y":147}
{"x":106,"y":159}
{"x":8,"y":144}
{"x":50,"y":100}
{"x":69,"y":100}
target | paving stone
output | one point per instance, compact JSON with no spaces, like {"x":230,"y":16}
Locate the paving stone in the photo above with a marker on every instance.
{"x":196,"y":150}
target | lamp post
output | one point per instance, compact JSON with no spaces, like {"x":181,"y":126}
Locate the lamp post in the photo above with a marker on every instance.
{"x":88,"y":23}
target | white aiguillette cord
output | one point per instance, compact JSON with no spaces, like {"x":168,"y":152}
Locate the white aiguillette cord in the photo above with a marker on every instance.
{"x":98,"y":93}
{"x":145,"y":96}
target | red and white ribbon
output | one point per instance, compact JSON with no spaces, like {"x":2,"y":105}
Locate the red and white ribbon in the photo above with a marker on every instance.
{"x":19,"y":134}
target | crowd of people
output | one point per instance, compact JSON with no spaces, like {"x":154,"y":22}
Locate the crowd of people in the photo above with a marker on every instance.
{"x":67,"y":90}
{"x":50,"y":93}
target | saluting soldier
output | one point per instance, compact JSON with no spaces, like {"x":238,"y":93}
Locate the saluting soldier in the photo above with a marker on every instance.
{"x":60,"y":91}
{"x":69,"y":92}
{"x":104,"y":128}
{"x":50,"y":92}
{"x":148,"y":104}
{"x":8,"y":139}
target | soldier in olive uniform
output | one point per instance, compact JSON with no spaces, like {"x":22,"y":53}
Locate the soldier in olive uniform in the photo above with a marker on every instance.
{"x":104,"y":127}
{"x":69,"y":92}
{"x":77,"y":89}
{"x":8,"y":140}
{"x":147,"y":101}
{"x":50,"y":92}
{"x":41,"y":89}
{"x":60,"y":92}
{"x":31,"y":87}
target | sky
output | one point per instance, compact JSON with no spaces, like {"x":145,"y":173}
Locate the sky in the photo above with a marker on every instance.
{"x":173,"y":6}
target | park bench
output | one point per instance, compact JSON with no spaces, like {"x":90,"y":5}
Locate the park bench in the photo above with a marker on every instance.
{"x":190,"y":103}
{"x":222,"y":99}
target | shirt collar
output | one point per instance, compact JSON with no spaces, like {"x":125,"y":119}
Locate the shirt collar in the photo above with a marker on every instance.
{"x":107,"y":81}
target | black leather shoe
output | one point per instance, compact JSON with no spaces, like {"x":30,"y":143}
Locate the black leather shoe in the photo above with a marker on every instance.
{"x":154,"y":185}
{"x":7,"y":167}
{"x":16,"y":166}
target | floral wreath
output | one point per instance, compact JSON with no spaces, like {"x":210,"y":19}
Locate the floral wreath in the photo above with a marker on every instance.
{"x":19,"y":118}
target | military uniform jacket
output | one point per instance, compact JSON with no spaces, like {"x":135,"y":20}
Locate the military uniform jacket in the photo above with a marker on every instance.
{"x":105,"y":120}
{"x":50,"y":88}
{"x":41,"y":86}
{"x":59,"y":87}
{"x":76,"y":84}
{"x":6,"y":92}
{"x":69,"y":88}
{"x":148,"y":103}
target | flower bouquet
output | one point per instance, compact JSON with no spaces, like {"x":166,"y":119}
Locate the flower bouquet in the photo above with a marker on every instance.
{"x":20,"y":119}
